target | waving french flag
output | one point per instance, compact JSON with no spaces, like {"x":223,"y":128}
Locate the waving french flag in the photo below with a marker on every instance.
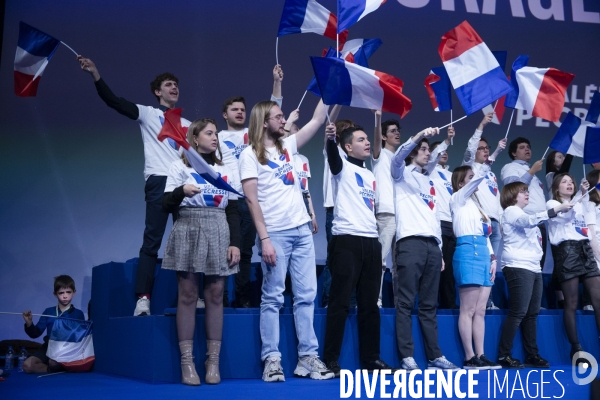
{"x":71,"y":344}
{"x":344,"y":83}
{"x":474,"y":72}
{"x":439,"y":89}
{"x":591,"y":150}
{"x":539,"y":91}
{"x":571,"y":136}
{"x":173,"y":129}
{"x":304,"y":16}
{"x":34,"y":49}
{"x":352,"y":11}
{"x":593,"y":114}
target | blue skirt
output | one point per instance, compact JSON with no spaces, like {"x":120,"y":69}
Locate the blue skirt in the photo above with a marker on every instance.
{"x":471,"y":262}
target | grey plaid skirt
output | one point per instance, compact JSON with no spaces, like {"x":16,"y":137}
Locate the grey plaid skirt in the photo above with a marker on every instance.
{"x":199,"y":242}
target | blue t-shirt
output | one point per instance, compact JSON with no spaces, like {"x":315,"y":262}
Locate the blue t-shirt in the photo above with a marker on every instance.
{"x":46,"y":323}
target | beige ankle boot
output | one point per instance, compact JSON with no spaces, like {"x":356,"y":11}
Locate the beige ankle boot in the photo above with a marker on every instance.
{"x":212,"y":362}
{"x":189,"y":376}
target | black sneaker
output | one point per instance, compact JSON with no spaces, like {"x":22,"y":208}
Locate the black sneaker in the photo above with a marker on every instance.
{"x":377,"y":365}
{"x":489,"y":363}
{"x":475,"y":363}
{"x":581,"y":360}
{"x":334,"y":367}
{"x":509,"y":362}
{"x":536,"y":361}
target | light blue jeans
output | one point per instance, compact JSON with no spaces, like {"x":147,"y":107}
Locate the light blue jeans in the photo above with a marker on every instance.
{"x":295,"y":250}
{"x":495,"y":240}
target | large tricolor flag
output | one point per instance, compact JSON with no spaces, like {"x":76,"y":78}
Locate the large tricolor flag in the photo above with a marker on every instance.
{"x":439,"y":89}
{"x":34,"y":50}
{"x":593,"y":114}
{"x":173,"y":129}
{"x":352,"y":11}
{"x":344,"y":83}
{"x":571,"y":136}
{"x":498,"y":107}
{"x":71,"y":344}
{"x":304,"y":16}
{"x":474,"y":72}
{"x":539,"y":91}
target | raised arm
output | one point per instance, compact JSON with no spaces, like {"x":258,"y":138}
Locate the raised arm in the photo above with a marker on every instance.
{"x":398,"y":164}
{"x":377,"y":135}
{"x":277,"y":79}
{"x":436,"y":154}
{"x":119,"y":104}
{"x":511,"y":174}
{"x":469,"y":157}
{"x":333,"y":155}
{"x":466,"y":191}
{"x":517,"y":217}
{"x":308,"y":131}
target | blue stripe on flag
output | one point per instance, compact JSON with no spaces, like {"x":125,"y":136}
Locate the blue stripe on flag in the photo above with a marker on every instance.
{"x":333,"y":79}
{"x":70,"y":330}
{"x":512,"y":97}
{"x":349,"y":11}
{"x":501,"y":58}
{"x":292,"y":17}
{"x":442,"y":89}
{"x":564,"y":136}
{"x":483,"y":91}
{"x":591,"y":150}
{"x":36,"y":42}
{"x":594,"y":111}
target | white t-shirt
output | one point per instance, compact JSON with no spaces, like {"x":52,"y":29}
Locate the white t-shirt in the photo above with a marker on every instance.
{"x":327,"y":190}
{"x":512,"y":172}
{"x":302,"y":170}
{"x":571,"y":225}
{"x":442,"y":180}
{"x":488,"y":193}
{"x":354,"y":197}
{"x":384,"y":200}
{"x":210,"y":196}
{"x":158,"y":155}
{"x":522,"y":239}
{"x":279,"y":194}
{"x":232,"y":143}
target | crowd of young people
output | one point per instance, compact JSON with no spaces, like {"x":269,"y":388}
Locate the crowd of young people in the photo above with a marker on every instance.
{"x":444,"y":230}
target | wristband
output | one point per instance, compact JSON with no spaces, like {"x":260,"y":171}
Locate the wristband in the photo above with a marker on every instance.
{"x":265,"y":238}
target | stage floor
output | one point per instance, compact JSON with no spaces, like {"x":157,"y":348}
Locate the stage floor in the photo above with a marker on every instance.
{"x":92,"y":386}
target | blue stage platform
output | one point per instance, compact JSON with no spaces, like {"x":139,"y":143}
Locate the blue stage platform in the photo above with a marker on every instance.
{"x":146,"y":348}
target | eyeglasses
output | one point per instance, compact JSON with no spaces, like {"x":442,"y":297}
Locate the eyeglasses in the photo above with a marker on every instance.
{"x":278,"y":117}
{"x":525,"y":191}
{"x":482,"y":148}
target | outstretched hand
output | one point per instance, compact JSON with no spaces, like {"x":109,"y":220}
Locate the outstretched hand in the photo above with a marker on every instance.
{"x":89,"y":66}
{"x":486,"y":120}
{"x":277,"y":73}
{"x":330,"y":131}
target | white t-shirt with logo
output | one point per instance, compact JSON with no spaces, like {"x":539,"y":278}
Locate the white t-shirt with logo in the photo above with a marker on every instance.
{"x":354,"y":191}
{"x":327,"y":190}
{"x":522,"y":239}
{"x":279,"y":194}
{"x":570,"y":225}
{"x":442,"y":180}
{"x":210,"y":196}
{"x":232,"y":143}
{"x":384,"y":200}
{"x":488,"y":193}
{"x":302,"y":170}
{"x":158,"y":156}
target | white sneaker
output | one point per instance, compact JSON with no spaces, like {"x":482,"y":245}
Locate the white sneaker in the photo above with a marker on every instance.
{"x":142,"y":307}
{"x":313,"y":368}
{"x":442,"y":363}
{"x":379,"y":303}
{"x":492,"y":307}
{"x":200,"y":303}
{"x":589,"y":307}
{"x":409,"y":364}
{"x":273,"y":371}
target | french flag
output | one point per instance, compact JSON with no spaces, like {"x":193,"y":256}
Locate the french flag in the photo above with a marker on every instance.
{"x":71,"y":344}
{"x":304,"y":16}
{"x":34,"y":51}
{"x":498,"y":108}
{"x":341,"y":82}
{"x":352,"y":11}
{"x":571,"y":136}
{"x":593,"y":114}
{"x":474,"y":72}
{"x":539,"y":91}
{"x":173,"y":129}
{"x":439,"y":89}
{"x":591,"y":150}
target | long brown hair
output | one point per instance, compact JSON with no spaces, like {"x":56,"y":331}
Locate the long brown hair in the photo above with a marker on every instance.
{"x":556,"y":184}
{"x":257,"y":131}
{"x":593,"y":177}
{"x":194,"y":129}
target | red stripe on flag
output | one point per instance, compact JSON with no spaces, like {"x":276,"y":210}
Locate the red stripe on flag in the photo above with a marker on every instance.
{"x":331,"y":28}
{"x":551,"y":98}
{"x":393,"y":99}
{"x":25,"y":86}
{"x":432,"y":78}
{"x":500,"y":108}
{"x":458,"y":40}
{"x":84,"y":365}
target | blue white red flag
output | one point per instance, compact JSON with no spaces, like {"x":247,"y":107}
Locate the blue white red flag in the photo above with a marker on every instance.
{"x":71,"y":344}
{"x":341,"y":82}
{"x":474,"y":72}
{"x":173,"y":129}
{"x":539,"y":91}
{"x":498,"y":108}
{"x":304,"y":16}
{"x":439,"y":89}
{"x":34,"y":51}
{"x":591,"y":150}
{"x":352,"y":11}
{"x":593,"y":114}
{"x":571,"y":136}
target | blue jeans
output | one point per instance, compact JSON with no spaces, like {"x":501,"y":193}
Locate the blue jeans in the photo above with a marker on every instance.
{"x":495,"y":239}
{"x":295,"y":250}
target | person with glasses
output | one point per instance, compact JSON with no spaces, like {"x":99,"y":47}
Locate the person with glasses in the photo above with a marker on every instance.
{"x":477,"y":153}
{"x":284,"y":239}
{"x":521,"y":255}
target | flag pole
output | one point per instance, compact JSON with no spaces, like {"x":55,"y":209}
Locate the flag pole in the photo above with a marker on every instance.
{"x":453,"y":122}
{"x":452,"y":139}
{"x":302,"y":99}
{"x":69,"y":47}
{"x":544,"y":156}
{"x":583,"y":169}
{"x":509,"y":122}
{"x":337,"y":45}
{"x":277,"y":50}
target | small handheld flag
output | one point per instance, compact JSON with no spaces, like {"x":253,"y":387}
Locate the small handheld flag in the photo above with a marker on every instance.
{"x":439,"y":89}
{"x":352,"y":11}
{"x":308,"y":16}
{"x":571,"y":136}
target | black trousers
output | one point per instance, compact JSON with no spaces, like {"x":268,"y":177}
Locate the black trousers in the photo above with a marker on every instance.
{"x":418,"y":268}
{"x":156,"y":222}
{"x":355,"y":262}
{"x":248,"y":233}
{"x":542,"y":228}
{"x":447,"y":293}
{"x":525,"y":290}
